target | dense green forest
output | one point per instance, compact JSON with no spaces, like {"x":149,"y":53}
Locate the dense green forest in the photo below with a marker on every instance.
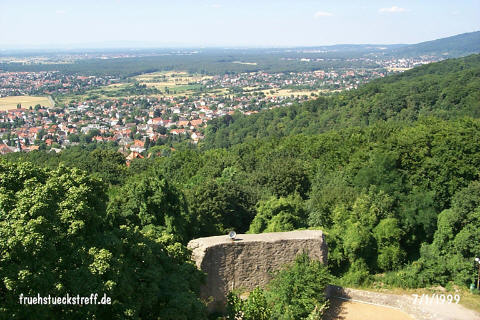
{"x":390,"y":172}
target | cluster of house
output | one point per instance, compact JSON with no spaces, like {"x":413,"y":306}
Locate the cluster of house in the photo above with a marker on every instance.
{"x":135,"y":123}
{"x":47,"y":82}
{"x":407,"y":63}
{"x":131,"y":123}
{"x":342,"y":79}
{"x":25,"y":130}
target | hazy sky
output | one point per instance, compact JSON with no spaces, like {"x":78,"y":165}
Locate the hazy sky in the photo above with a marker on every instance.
{"x":232,"y":22}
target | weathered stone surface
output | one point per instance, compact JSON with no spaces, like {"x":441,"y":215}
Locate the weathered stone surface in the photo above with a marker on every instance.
{"x":249,"y":261}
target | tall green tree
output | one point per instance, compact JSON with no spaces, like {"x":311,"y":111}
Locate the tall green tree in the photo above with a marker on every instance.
{"x":296,"y":292}
{"x":282,"y":214}
{"x":56,"y":239}
{"x":150,"y":200}
{"x":219,"y":206}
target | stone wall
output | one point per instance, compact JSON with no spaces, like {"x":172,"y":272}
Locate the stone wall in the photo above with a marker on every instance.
{"x":249,"y":260}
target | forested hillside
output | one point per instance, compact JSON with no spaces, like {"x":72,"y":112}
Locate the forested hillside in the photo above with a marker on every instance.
{"x":390,"y":172}
{"x":449,"y":90}
{"x":455,"y":46}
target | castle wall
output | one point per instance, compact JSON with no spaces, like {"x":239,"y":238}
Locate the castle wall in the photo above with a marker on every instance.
{"x":249,"y":261}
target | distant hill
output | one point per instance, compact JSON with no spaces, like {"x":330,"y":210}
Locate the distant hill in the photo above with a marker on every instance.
{"x":455,"y":46}
{"x":449,"y":90}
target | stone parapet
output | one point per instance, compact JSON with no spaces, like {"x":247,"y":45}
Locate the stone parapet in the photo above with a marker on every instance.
{"x":250,"y":260}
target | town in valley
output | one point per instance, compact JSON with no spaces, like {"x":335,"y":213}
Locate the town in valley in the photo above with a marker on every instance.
{"x":54,"y":109}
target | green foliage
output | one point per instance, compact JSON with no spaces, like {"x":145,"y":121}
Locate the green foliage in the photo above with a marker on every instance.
{"x":106,"y":164}
{"x":56,"y":238}
{"x":329,"y":189}
{"x":388,"y":235}
{"x":219,"y":206}
{"x":457,"y":234}
{"x":180,"y":166}
{"x":298,"y":289}
{"x":283,"y":176}
{"x":455,"y":245}
{"x":296,"y":292}
{"x":358,"y":273}
{"x":389,"y":171}
{"x":366,"y":237}
{"x":154,"y":276}
{"x":47,"y":245}
{"x":282,"y":214}
{"x":255,"y":307}
{"x":102,"y":161}
{"x":345,"y":181}
{"x":354,"y":183}
{"x":150,"y":200}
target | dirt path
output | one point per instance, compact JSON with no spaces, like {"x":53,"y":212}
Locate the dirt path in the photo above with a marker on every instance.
{"x":354,"y":304}
{"x":348,"y":310}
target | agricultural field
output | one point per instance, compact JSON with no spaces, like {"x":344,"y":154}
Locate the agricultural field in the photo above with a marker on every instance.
{"x":170,"y":84}
{"x":173,"y":82}
{"x":170,"y":78}
{"x":290,"y":92}
{"x":396,"y":69}
{"x":11,"y":102}
{"x":285,"y":92}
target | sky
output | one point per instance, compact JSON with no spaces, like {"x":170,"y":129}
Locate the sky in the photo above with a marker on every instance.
{"x":230,"y":23}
